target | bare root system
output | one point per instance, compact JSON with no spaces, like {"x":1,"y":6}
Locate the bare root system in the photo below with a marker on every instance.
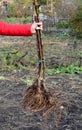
{"x":38,"y":98}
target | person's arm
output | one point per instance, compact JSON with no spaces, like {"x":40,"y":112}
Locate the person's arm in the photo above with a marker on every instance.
{"x":18,"y":29}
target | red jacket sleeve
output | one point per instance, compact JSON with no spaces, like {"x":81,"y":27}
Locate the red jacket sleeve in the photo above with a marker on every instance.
{"x":15,"y":29}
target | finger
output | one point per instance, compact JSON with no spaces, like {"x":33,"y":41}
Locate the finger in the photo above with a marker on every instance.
{"x":39,"y":28}
{"x":40,"y":25}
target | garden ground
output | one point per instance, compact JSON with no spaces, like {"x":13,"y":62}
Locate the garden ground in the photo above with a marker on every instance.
{"x":13,"y":86}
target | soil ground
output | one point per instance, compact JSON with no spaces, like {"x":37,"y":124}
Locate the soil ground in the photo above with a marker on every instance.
{"x":14,"y":117}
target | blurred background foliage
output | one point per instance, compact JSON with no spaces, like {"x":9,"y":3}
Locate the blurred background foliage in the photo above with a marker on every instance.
{"x":54,"y":13}
{"x":76,"y":22}
{"x":62,"y":20}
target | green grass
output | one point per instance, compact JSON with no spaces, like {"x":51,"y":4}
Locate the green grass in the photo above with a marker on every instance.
{"x":10,"y":61}
{"x":71,"y":69}
{"x":1,"y":77}
{"x":10,"y":20}
{"x":27,"y":81}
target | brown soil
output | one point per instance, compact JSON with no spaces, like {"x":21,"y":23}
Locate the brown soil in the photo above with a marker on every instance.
{"x":12,"y":89}
{"x":14,"y":117}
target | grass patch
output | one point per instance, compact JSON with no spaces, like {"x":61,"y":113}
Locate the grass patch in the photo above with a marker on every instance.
{"x":72,"y":69}
{"x":1,"y":77}
{"x":27,"y":81}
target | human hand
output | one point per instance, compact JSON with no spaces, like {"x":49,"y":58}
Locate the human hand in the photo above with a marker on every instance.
{"x":35,"y":26}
